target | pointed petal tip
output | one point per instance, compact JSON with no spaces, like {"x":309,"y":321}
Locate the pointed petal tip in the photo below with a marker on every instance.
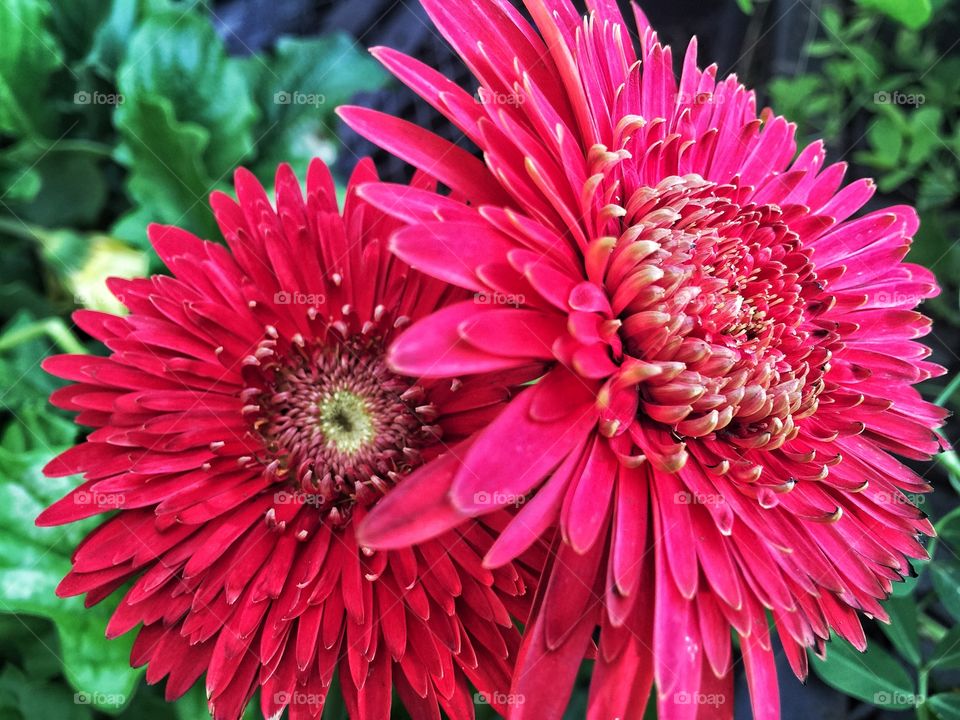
{"x":156,"y":232}
{"x":346,"y":112}
{"x":45,"y":519}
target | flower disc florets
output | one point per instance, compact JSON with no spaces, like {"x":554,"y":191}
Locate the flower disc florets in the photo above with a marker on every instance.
{"x":715,"y":306}
{"x":336,"y":424}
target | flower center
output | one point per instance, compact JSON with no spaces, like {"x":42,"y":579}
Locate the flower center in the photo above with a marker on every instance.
{"x":346,"y":422}
{"x":718,"y":320}
{"x":338,"y":428}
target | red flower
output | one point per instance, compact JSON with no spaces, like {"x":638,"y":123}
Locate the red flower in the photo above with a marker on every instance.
{"x":245,"y":421}
{"x":730,"y":358}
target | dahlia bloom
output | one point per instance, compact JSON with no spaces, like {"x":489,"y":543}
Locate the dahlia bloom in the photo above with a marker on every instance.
{"x":244,"y":422}
{"x":729,"y":354}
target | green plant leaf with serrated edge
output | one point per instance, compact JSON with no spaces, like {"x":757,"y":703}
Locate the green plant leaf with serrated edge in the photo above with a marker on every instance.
{"x":186,"y":121}
{"x":167,"y":177}
{"x":32,"y":562}
{"x":176,"y":55}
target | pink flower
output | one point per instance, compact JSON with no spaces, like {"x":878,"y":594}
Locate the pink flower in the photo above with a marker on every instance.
{"x":729,"y":355}
{"x":244,"y":422}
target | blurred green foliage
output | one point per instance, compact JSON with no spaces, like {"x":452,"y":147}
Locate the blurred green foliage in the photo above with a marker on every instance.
{"x":893,"y":96}
{"x":114,"y":114}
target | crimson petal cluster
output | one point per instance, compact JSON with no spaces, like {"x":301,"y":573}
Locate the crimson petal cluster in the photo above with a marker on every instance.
{"x":730,"y":354}
{"x":242,"y":424}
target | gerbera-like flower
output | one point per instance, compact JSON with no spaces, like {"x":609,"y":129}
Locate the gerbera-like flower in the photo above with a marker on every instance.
{"x":730,"y":358}
{"x":245,"y":421}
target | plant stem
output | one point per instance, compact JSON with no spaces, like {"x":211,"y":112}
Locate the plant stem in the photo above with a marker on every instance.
{"x":930,"y":627}
{"x":923,"y":712}
{"x":54,"y":328}
{"x":944,"y":397}
{"x":17,"y":228}
{"x":83,"y":146}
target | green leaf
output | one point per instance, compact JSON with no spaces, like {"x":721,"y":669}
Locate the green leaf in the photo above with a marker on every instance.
{"x":35,"y":659}
{"x":938,"y":188}
{"x":946,"y":705}
{"x":893,"y":180}
{"x":22,"y":380}
{"x":72,"y":190}
{"x":948,"y":531}
{"x":192,"y":706}
{"x":904,"y":588}
{"x":19,"y":177}
{"x":186,"y":120}
{"x":36,"y":425}
{"x":746,"y":6}
{"x":91,"y":663}
{"x":108,"y":46}
{"x":176,"y":55}
{"x":873,"y":676}
{"x":887,"y":142}
{"x":925,"y":135}
{"x":832,"y":20}
{"x":32,"y":562}
{"x":947,"y":652}
{"x":167,"y":177}
{"x":29,"y":54}
{"x":914,"y":14}
{"x":946,"y":581}
{"x":902,"y":630}
{"x":76,"y":23}
{"x":298,"y":88}
{"x":34,"y":698}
